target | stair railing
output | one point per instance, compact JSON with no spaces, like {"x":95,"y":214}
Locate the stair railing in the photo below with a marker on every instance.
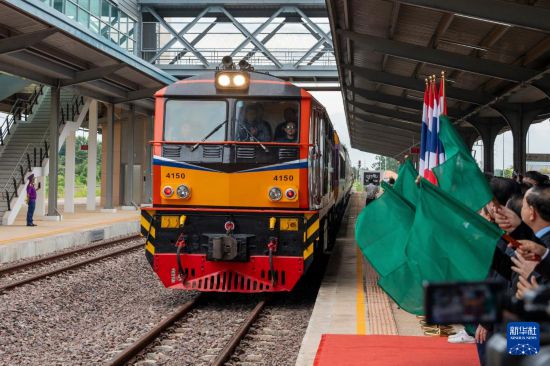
{"x":21,"y":107}
{"x":34,"y":156}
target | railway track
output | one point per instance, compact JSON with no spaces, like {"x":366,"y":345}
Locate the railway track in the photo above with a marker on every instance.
{"x":27,"y":266}
{"x":147,"y":339}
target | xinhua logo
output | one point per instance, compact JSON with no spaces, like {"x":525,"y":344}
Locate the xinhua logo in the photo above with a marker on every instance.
{"x":523,"y":338}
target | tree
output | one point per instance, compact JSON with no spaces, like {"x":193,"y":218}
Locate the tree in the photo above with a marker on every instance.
{"x":385,"y":163}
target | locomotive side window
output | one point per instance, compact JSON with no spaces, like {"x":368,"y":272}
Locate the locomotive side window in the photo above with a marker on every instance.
{"x":193,"y":120}
{"x":264,"y":121}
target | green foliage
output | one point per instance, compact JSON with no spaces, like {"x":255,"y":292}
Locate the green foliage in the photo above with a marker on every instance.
{"x":81,"y":168}
{"x":385,"y":163}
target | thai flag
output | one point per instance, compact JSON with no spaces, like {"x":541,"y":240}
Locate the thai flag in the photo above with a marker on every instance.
{"x":424,"y":131}
{"x":431,"y":148}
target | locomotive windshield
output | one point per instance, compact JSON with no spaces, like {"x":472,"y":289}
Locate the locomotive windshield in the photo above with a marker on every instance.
{"x":266,"y":121}
{"x":193,"y":120}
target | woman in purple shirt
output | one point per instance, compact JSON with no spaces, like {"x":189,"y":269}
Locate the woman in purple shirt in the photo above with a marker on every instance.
{"x":31,"y":198}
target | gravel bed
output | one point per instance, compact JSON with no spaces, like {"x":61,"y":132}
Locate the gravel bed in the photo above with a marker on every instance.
{"x":198,"y":337}
{"x":276,"y":336}
{"x":60,"y":262}
{"x":84,"y":316}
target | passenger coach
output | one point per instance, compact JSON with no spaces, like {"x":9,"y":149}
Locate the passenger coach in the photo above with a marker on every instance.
{"x":249,"y":177}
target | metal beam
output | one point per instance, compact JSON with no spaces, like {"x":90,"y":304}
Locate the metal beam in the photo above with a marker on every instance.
{"x":397,"y":101}
{"x":187,"y":45}
{"x":390,"y":123}
{"x":258,"y":30}
{"x":386,"y":98}
{"x":256,"y":42}
{"x":387,"y":139}
{"x":384,"y":112}
{"x":494,"y":11}
{"x":366,"y":128}
{"x":389,"y":134}
{"x":34,"y":62}
{"x":180,"y":34}
{"x":22,"y":41}
{"x":137,"y":95}
{"x":93,"y":74}
{"x":14,"y":69}
{"x":463,"y":95}
{"x":441,"y":58}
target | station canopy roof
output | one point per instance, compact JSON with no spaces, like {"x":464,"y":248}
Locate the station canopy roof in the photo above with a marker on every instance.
{"x":495,"y":54}
{"x":43,"y":45}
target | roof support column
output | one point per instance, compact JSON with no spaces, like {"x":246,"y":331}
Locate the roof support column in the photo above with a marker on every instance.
{"x":519,"y":118}
{"x":53,"y":153}
{"x":109,"y":139}
{"x":70,"y":155}
{"x":92,"y":156}
{"x":488,"y":130}
{"x":129,"y":173}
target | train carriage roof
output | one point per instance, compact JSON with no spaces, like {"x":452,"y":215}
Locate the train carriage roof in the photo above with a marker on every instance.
{"x":261,"y":85}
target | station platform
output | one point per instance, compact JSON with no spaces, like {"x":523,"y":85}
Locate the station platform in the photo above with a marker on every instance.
{"x":350,"y":307}
{"x":19,"y":241}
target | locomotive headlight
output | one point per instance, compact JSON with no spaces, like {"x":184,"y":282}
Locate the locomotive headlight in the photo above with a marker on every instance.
{"x":239,"y":80}
{"x":167,"y":191}
{"x":183,"y":191}
{"x":223,"y":80}
{"x":232,"y":80}
{"x":275,"y":194}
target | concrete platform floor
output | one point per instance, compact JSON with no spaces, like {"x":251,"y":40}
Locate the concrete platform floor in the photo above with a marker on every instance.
{"x":20,"y":241}
{"x":349,"y":300}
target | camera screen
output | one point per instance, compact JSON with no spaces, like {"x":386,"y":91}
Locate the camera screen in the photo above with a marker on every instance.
{"x":468,"y":302}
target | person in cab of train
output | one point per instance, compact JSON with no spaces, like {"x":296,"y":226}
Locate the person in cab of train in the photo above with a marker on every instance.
{"x":290,"y":132}
{"x":252,"y":127}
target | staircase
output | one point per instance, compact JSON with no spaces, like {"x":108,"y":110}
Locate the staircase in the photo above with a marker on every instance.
{"x":26,"y":145}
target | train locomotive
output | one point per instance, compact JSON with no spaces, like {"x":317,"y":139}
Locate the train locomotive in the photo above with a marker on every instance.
{"x":250,"y":181}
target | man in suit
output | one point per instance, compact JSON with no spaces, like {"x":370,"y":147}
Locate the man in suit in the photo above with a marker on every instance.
{"x":534,"y":227}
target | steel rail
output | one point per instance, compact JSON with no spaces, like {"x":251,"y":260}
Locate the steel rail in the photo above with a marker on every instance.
{"x":230,"y":347}
{"x":39,"y":276}
{"x":150,"y":336}
{"x":17,"y":266}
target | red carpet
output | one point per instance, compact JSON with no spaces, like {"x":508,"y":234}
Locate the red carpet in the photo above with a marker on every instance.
{"x":389,"y":350}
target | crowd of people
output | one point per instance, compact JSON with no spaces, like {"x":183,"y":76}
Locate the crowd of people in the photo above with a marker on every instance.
{"x":521,"y":207}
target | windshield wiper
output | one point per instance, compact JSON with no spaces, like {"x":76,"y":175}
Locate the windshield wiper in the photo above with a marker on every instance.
{"x":254,"y":138}
{"x":207,"y":136}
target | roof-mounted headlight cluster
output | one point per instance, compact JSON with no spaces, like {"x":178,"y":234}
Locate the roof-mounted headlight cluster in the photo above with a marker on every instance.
{"x":232,"y":80}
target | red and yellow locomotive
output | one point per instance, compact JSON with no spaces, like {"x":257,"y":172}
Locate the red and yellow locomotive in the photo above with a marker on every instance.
{"x":249,"y":183}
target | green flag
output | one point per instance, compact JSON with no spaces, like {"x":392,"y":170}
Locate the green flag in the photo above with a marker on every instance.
{"x":405,"y":184}
{"x":381,"y":232}
{"x":449,"y":241}
{"x":382,"y":229}
{"x":459,"y":175}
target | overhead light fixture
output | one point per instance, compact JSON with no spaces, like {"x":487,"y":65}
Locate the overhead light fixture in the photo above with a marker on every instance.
{"x":483,"y":20}
{"x":475,"y":47}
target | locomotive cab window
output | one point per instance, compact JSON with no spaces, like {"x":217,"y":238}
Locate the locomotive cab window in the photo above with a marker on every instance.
{"x":195,"y":120}
{"x":267,"y":121}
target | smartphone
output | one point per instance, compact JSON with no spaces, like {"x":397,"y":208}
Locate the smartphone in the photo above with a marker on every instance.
{"x":464,"y":302}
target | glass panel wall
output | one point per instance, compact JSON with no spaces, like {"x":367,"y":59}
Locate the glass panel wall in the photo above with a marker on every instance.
{"x":101,"y":17}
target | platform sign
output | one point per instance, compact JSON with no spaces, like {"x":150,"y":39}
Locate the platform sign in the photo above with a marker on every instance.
{"x":374,"y":175}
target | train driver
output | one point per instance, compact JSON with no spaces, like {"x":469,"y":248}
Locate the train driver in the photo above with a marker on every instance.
{"x":290,"y":130}
{"x":252,"y":127}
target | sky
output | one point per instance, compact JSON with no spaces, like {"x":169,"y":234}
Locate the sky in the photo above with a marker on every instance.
{"x":334,"y":104}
